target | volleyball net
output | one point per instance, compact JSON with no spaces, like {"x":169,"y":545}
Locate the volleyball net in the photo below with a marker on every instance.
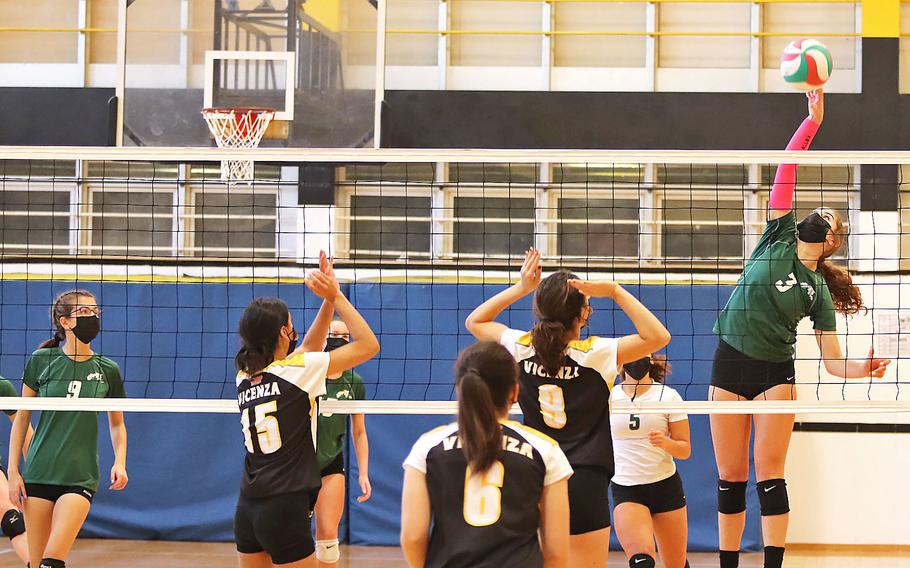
{"x":420,"y":238}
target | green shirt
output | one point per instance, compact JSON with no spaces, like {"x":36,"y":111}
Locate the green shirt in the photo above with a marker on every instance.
{"x":332,"y":428}
{"x":64,"y":450}
{"x":774,"y":292}
{"x":7,"y":389}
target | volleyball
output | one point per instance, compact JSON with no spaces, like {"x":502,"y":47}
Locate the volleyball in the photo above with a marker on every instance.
{"x":806,"y":64}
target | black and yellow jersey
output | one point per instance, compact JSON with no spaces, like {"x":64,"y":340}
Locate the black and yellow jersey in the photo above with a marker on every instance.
{"x":572,"y":407}
{"x":276,"y":407}
{"x":488,"y":520}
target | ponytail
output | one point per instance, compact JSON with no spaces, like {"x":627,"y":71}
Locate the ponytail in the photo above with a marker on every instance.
{"x":486,"y":375}
{"x":548,"y":337}
{"x":845,"y":294}
{"x":55,"y":340}
{"x":259,"y":328}
{"x":478,"y":422}
{"x":558,"y":308}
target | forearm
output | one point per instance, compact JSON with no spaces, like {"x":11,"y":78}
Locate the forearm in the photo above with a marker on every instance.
{"x":362,"y":451}
{"x":679,"y":449}
{"x":358,"y":327}
{"x":319,"y":328}
{"x":415,"y":550}
{"x":118,"y":441}
{"x":848,"y":368}
{"x":785,"y":178}
{"x":648,"y":327}
{"x":490,"y":310}
{"x":17,"y":440}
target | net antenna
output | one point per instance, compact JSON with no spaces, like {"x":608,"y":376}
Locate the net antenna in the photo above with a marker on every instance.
{"x":235,"y":128}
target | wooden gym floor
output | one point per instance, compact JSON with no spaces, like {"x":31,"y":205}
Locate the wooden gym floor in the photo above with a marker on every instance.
{"x":148,"y":554}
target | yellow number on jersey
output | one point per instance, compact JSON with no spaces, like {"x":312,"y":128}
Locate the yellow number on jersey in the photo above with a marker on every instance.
{"x":267,"y":431}
{"x":482,"y":496}
{"x":552,"y":406}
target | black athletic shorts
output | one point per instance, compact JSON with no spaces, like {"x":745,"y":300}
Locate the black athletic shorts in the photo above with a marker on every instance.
{"x":660,"y":497}
{"x":337,"y":466}
{"x":54,"y":492}
{"x":278,"y":525}
{"x":747,"y":377}
{"x":589,"y":499}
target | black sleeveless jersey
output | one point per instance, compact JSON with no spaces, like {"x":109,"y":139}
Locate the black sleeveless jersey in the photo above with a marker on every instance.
{"x":276,"y":414}
{"x":489,"y":520}
{"x":574,"y":406}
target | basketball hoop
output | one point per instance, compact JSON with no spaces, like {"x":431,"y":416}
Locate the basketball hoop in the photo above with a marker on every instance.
{"x":238,"y":128}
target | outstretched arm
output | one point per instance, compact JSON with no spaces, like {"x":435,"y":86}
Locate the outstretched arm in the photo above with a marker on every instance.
{"x":781,"y":201}
{"x":482,"y":322}
{"x":839,"y":366}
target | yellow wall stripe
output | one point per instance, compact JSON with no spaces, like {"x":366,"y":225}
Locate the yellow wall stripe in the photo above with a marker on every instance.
{"x":881,"y":18}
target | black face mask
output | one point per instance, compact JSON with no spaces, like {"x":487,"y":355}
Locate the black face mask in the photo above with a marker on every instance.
{"x":333,"y":343}
{"x":293,"y":342}
{"x":87,"y":328}
{"x":638,"y":369}
{"x":813,"y":229}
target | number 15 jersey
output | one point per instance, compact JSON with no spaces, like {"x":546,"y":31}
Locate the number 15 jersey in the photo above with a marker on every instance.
{"x":488,"y":520}
{"x":572,"y":407}
{"x":276,"y":413}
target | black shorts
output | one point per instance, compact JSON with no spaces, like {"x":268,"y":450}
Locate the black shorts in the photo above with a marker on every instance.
{"x":589,"y":499}
{"x":53,"y":492}
{"x":278,"y":525}
{"x":747,"y":377}
{"x":660,"y":497}
{"x":336,"y":467}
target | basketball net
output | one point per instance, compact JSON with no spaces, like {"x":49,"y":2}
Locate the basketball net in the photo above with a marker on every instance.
{"x":238,"y":128}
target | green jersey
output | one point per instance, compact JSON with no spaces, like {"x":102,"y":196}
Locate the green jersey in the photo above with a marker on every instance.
{"x":774,"y":292}
{"x":7,"y":389}
{"x":64,"y":450}
{"x":332,"y":428}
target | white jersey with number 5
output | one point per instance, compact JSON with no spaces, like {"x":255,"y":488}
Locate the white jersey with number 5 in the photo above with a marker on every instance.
{"x":573,"y":406}
{"x":637,"y":461}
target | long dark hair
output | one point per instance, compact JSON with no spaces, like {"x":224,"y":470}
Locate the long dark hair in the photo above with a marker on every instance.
{"x":259,"y":328}
{"x":62,"y":307}
{"x":485,"y":376}
{"x":557,"y":306}
{"x":844,"y":293}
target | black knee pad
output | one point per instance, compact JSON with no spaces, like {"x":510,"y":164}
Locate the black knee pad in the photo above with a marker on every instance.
{"x":12,"y":523}
{"x":52,"y":563}
{"x":731,"y":497}
{"x":772,"y":497}
{"x":641,"y":561}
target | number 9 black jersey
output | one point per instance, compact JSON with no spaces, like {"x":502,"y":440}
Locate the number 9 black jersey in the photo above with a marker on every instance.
{"x":276,"y":411}
{"x":489,"y":520}
{"x":574,"y":406}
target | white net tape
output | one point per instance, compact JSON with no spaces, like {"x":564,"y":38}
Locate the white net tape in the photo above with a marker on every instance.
{"x":389,"y":407}
{"x":238,"y":128}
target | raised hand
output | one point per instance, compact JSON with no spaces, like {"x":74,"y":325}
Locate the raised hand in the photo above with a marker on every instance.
{"x":530,"y":271}
{"x":324,"y":286}
{"x":816,"y":105}
{"x":326,"y":264}
{"x":595,"y":288}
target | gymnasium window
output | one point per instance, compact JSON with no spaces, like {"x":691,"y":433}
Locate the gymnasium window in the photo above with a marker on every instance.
{"x":384,"y":211}
{"x":232,"y":222}
{"x":492,"y":226}
{"x":702,"y":226}
{"x":34,"y":219}
{"x":130,"y":221}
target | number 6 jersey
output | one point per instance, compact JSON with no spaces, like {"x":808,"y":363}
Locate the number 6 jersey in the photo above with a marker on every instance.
{"x":488,"y":520}
{"x":276,"y":413}
{"x":574,"y":406}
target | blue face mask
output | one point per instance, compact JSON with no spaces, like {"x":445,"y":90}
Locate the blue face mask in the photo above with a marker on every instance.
{"x":813,"y":229}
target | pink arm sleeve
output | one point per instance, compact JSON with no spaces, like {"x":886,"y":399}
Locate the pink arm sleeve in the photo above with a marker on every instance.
{"x":785,"y":179}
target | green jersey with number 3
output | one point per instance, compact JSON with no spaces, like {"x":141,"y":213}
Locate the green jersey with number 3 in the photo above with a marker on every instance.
{"x":64,"y":450}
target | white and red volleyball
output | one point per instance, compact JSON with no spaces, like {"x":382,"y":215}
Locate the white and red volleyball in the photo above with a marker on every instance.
{"x":806,"y":64}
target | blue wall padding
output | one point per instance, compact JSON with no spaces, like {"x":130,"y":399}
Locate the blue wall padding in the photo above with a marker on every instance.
{"x":177,"y":340}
